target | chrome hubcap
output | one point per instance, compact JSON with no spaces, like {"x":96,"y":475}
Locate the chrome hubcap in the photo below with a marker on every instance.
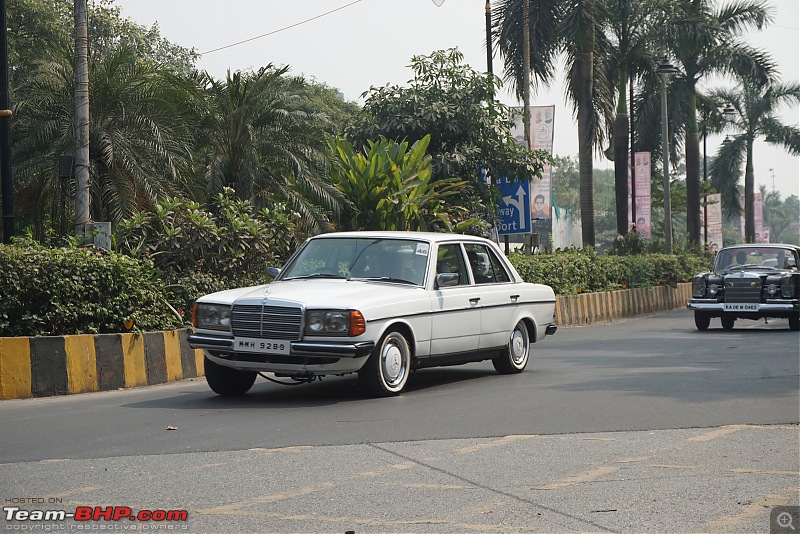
{"x":519,"y":346}
{"x":392,"y":360}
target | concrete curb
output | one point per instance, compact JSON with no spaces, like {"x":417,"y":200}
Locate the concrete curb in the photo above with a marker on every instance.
{"x":62,"y":365}
{"x":588,"y":308}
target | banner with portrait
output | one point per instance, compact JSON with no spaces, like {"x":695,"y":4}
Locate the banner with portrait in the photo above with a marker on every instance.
{"x":643,"y":200}
{"x":541,"y":131}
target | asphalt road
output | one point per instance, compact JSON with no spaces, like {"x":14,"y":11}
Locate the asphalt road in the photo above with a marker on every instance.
{"x":643,"y":425}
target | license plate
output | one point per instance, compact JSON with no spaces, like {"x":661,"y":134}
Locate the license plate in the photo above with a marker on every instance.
{"x":739,"y":307}
{"x":272,"y":346}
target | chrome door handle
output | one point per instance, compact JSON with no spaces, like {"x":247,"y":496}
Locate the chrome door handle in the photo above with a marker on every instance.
{"x":515,"y":298}
{"x":474,"y":300}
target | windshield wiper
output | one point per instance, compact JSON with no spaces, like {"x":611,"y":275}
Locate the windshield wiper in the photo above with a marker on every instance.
{"x":314,"y":275}
{"x":385,"y":279}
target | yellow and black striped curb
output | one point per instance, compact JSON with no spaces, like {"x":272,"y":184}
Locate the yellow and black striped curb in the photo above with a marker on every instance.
{"x":60,"y":365}
{"x":587,"y":308}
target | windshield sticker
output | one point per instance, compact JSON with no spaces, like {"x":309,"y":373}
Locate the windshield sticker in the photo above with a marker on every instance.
{"x":422,"y":249}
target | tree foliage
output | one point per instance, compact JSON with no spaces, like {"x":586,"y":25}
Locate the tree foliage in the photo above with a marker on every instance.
{"x":389,"y":186}
{"x":454,"y":104}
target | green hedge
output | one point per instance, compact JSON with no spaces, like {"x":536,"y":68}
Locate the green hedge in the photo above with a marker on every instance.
{"x":60,"y":291}
{"x":46,"y":292}
{"x":575,"y":271}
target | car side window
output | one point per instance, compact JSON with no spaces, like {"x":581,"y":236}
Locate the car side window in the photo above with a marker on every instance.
{"x":486,"y":266}
{"x":449,"y":259}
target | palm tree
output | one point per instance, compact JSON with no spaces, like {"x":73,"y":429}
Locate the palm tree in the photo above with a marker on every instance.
{"x":631,"y":30}
{"x":139,"y":136}
{"x":756,"y":108}
{"x":706,"y":40}
{"x":265,"y":139}
{"x":572,"y":29}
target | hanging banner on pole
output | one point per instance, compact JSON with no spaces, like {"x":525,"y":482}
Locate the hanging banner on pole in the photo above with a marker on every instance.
{"x":714,"y":225}
{"x":643,"y":211}
{"x":542,"y":124}
{"x":758,"y":215}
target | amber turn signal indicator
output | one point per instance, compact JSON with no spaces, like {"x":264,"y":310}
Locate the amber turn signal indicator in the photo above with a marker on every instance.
{"x":357,"y":323}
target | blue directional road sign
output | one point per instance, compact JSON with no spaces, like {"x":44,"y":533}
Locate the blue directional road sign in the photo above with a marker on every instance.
{"x":514,"y":208}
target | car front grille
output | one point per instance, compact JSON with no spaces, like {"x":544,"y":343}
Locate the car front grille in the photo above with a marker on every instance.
{"x":742,"y":290}
{"x":266,"y":322}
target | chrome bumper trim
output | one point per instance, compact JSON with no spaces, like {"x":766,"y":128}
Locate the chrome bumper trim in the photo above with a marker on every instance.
{"x":298,"y":348}
{"x":706,"y":304}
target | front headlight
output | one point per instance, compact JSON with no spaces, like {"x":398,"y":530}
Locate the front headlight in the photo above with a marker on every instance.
{"x":212,"y":316}
{"x":699,"y":286}
{"x":713,"y":289}
{"x":334,"y":323}
{"x":787,"y":286}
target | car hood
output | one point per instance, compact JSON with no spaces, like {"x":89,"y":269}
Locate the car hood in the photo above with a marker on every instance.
{"x":751,"y":271}
{"x":339,"y":294}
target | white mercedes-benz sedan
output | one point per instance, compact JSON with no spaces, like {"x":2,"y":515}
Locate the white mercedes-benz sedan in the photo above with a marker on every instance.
{"x":381,"y":304}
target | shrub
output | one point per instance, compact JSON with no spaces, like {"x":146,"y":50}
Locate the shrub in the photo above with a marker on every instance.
{"x":65,"y":291}
{"x":573,"y":271}
{"x":198,"y":251}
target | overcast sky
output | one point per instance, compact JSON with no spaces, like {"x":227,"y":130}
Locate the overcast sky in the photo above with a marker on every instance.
{"x":365,"y":43}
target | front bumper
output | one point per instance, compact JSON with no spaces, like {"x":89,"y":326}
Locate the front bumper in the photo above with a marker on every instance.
{"x":304,"y":358}
{"x":771,"y":308}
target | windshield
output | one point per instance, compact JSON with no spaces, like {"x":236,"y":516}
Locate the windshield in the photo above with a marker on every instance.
{"x":755,"y":257}
{"x":392,"y":260}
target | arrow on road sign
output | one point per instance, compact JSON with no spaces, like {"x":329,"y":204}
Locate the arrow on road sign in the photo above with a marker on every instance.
{"x":519,"y":203}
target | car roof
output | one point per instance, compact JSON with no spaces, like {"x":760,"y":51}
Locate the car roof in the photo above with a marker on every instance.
{"x":761,"y":245}
{"x":433,"y":237}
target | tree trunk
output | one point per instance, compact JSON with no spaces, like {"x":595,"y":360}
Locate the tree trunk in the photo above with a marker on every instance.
{"x":693,"y":187}
{"x":749,"y":196}
{"x":526,"y":70}
{"x":585,"y":70}
{"x":81,"y":124}
{"x":621,"y":170}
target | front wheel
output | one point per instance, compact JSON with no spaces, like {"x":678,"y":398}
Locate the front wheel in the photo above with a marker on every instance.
{"x":702,"y":320}
{"x":794,"y":323}
{"x":226,"y":381}
{"x":515,"y":356}
{"x":386,"y":372}
{"x":727,"y":322}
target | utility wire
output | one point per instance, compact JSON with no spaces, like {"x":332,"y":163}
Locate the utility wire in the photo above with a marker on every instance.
{"x":281,"y":29}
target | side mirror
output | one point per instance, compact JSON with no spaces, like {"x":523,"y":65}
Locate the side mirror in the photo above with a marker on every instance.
{"x":446,"y":280}
{"x":273,"y":271}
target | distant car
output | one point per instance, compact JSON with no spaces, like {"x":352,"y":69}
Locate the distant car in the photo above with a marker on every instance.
{"x":381,"y":304}
{"x":749,"y":282}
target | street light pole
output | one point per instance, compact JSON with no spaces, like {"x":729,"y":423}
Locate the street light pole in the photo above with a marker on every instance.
{"x":705,"y":182}
{"x":6,"y":186}
{"x":666,"y":70}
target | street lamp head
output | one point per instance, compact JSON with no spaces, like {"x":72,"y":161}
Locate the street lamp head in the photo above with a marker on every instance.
{"x":729,"y":112}
{"x":666,"y":69}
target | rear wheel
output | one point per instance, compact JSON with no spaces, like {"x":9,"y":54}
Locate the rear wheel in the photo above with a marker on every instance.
{"x":226,"y":381}
{"x":794,"y":323}
{"x":702,"y":320}
{"x":515,"y":356}
{"x":728,"y":322}
{"x":386,"y":371}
